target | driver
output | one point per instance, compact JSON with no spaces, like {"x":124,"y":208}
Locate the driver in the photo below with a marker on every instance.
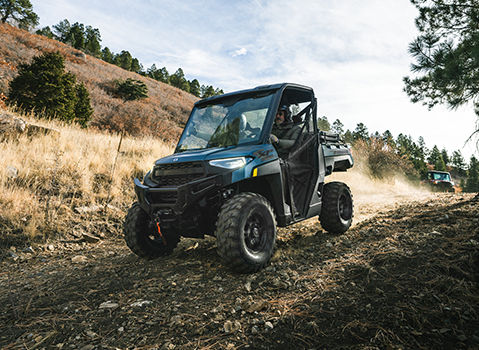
{"x":284,"y":132}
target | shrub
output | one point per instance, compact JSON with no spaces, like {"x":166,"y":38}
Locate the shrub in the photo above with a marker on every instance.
{"x":44,"y":86}
{"x":131,"y":89}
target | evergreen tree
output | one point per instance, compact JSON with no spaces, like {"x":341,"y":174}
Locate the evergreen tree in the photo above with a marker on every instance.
{"x":445,"y":53}
{"x":422,"y":146}
{"x":445,"y":156}
{"x":348,"y":137}
{"x":458,"y":163}
{"x":45,"y":31}
{"x":107,"y":55}
{"x":131,"y":89}
{"x":435,"y":158}
{"x":195,"y":88}
{"x":323,"y":124}
{"x":136,"y":66}
{"x":337,"y":127}
{"x":219,"y":91}
{"x":472,"y":182}
{"x":207,"y":91}
{"x":18,"y":12}
{"x":77,"y":36}
{"x":361,"y":132}
{"x":45,"y":87}
{"x":178,"y":80}
{"x":388,"y":138}
{"x":92,"y":41}
{"x":62,"y":31}
{"x":123,"y":60}
{"x":83,"y":110}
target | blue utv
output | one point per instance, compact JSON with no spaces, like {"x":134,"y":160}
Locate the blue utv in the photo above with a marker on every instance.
{"x":226,"y":179}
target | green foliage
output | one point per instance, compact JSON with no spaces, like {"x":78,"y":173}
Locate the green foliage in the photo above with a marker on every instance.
{"x":158,"y":74}
{"x":92,"y":41}
{"x":18,"y":12}
{"x":361,"y":132}
{"x":436,"y":159}
{"x":458,"y":164}
{"x":207,"y":91}
{"x":195,"y":88}
{"x":107,"y":55}
{"x":323,"y":124}
{"x":472,"y":182}
{"x":131,"y":89}
{"x":44,"y":86}
{"x":446,"y":54}
{"x":123,"y":60}
{"x":45,"y":31}
{"x":76,"y":36}
{"x":178,"y":80}
{"x":338,"y":127}
{"x":136,"y":66}
{"x":348,"y":137}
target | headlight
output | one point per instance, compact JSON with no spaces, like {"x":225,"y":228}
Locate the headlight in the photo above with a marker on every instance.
{"x":229,"y":163}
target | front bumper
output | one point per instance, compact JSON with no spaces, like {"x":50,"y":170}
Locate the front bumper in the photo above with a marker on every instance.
{"x":177,"y":200}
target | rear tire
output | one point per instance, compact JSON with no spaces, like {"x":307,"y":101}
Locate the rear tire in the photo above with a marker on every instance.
{"x":142,"y":237}
{"x":246,"y":232}
{"x":337,"y":209}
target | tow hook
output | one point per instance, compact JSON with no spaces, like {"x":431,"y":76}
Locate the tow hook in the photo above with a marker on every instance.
{"x":156,"y":219}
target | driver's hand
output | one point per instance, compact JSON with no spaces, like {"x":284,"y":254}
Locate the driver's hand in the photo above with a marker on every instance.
{"x":273,"y":139}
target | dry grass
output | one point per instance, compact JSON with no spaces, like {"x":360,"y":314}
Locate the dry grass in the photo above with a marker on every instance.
{"x":58,"y":173}
{"x":161,"y":115}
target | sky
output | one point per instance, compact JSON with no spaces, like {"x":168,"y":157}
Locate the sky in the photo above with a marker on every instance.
{"x":352,"y":52}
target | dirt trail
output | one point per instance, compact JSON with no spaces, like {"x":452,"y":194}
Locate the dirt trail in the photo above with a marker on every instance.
{"x":407,"y":277}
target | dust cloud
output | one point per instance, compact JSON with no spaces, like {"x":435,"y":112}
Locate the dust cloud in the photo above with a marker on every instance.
{"x":372,"y":196}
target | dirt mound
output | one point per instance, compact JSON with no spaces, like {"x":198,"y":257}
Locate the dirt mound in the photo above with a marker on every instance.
{"x":405,"y":278}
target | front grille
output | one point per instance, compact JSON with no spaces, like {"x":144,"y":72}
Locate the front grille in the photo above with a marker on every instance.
{"x":177,"y":174}
{"x":163,"y":197}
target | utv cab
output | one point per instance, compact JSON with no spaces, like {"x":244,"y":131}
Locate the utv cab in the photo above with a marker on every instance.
{"x":226,"y":179}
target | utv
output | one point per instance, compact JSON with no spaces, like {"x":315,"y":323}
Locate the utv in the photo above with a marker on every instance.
{"x":440,"y":181}
{"x":226,"y":179}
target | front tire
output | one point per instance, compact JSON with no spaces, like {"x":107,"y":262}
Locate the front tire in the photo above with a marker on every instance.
{"x":246,"y":232}
{"x":337,"y":209}
{"x":142,"y":237}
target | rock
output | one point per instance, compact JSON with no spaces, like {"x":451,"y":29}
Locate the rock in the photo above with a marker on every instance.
{"x":85,"y":210}
{"x":13,"y":255}
{"x":12,"y":172}
{"x":90,"y":238}
{"x":108,"y":305}
{"x":247,"y":286}
{"x":50,"y":247}
{"x":121,"y":329}
{"x":268,"y":325}
{"x":79,"y":259}
{"x":254,"y":330}
{"x":88,"y":347}
{"x":231,"y":327}
{"x":329,"y":245}
{"x":140,"y":303}
{"x":257,"y":306}
{"x":176,"y":321}
{"x":91,"y":334}
{"x":29,"y":249}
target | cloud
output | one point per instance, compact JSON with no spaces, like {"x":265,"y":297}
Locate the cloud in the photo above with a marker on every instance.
{"x":239,"y":52}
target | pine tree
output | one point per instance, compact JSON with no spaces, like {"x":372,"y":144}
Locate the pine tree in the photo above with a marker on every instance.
{"x":195,"y":88}
{"x":77,"y":36}
{"x":472,"y":182}
{"x":92,"y":41}
{"x":131,"y":89}
{"x":45,"y":31}
{"x":323,"y":124}
{"x":135,"y":65}
{"x":445,"y":157}
{"x":107,"y":55}
{"x":458,"y":163}
{"x":62,"y":31}
{"x":83,"y":110}
{"x":18,"y":12}
{"x":435,"y":158}
{"x":338,"y":127}
{"x":123,"y":60}
{"x":44,"y":86}
{"x":361,"y":132}
{"x":388,"y":139}
{"x":348,"y":137}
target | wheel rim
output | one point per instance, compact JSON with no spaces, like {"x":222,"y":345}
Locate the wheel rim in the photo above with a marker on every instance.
{"x":345,"y":207}
{"x":254,"y":235}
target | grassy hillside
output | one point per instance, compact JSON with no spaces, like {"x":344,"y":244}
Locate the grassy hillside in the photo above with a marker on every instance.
{"x":162,"y":114}
{"x":57,"y":185}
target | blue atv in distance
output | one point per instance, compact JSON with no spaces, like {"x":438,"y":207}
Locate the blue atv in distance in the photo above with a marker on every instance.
{"x":227,"y":180}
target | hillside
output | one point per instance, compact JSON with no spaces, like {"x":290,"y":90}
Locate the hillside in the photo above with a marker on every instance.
{"x":405,"y":278}
{"x":162,"y":114}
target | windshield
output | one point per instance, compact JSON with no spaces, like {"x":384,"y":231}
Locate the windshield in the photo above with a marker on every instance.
{"x":440,"y":176}
{"x":225,"y":124}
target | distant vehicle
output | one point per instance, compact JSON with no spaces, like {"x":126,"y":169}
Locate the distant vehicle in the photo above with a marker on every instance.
{"x":440,"y":181}
{"x":227,"y":179}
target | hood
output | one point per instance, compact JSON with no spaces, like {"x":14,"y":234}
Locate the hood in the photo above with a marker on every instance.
{"x":216,"y":153}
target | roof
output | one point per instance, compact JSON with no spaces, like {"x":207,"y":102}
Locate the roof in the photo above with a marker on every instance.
{"x":257,"y":89}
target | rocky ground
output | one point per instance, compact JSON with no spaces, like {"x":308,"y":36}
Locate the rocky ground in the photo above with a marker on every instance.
{"x":407,"y":276}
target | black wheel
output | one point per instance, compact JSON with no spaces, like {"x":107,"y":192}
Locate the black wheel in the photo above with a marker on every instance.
{"x":337,"y":209}
{"x":142,"y":236}
{"x":246,"y":232}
